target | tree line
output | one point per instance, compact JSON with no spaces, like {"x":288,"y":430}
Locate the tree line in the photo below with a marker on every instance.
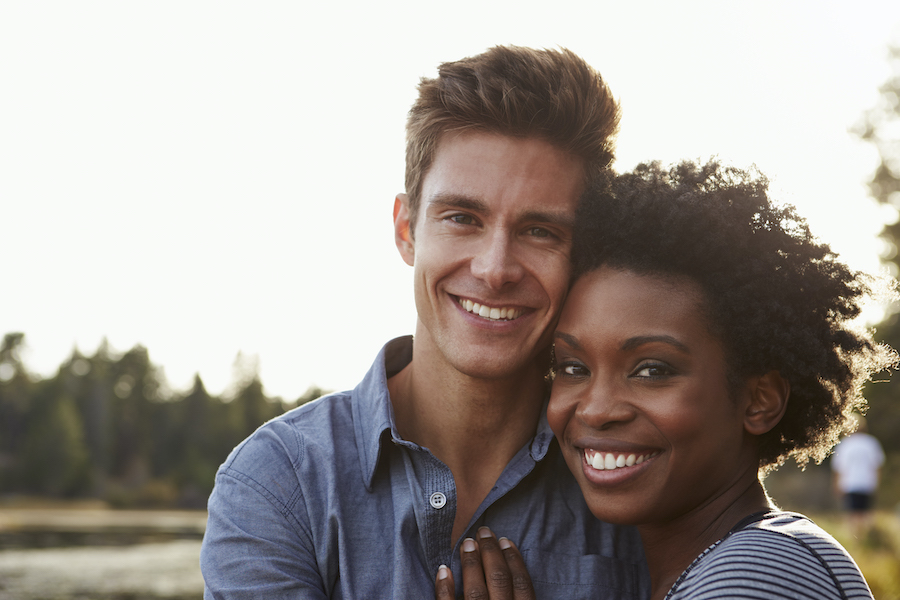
{"x":106,"y":426}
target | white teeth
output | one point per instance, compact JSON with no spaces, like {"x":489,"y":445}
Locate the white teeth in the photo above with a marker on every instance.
{"x":607,"y":461}
{"x":488,"y":312}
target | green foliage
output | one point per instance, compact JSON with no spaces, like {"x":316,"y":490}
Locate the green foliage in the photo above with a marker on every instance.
{"x":877,"y":552}
{"x":881,"y":126}
{"x":107,"y":427}
{"x":54,"y":456}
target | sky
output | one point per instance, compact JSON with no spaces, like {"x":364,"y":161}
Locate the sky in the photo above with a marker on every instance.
{"x":213,"y":178}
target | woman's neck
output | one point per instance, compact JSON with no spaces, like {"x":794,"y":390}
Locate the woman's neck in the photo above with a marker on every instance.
{"x":671,"y":546}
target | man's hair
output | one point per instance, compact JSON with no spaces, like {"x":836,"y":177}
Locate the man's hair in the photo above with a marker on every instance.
{"x":520,"y":92}
{"x":775,"y":297}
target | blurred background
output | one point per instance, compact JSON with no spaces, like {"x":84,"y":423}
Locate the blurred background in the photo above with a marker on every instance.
{"x":195,"y":207}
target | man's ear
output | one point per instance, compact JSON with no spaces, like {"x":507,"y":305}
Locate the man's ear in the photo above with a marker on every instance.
{"x":768,"y":401}
{"x":402,"y":234}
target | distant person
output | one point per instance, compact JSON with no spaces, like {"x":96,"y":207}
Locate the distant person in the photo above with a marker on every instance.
{"x":366,"y":493}
{"x":857,"y":465}
{"x":707,"y":338}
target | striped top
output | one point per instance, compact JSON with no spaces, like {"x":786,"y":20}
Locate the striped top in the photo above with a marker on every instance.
{"x":773,"y":555}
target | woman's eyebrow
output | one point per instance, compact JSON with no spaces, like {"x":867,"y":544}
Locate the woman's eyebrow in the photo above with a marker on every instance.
{"x":570,"y":340}
{"x":637,"y":341}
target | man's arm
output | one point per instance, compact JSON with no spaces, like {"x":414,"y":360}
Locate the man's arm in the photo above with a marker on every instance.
{"x":255,"y":546}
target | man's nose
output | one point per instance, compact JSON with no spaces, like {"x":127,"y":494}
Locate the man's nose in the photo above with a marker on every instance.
{"x":497,"y":262}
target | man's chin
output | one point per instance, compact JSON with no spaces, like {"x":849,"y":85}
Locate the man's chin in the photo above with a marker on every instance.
{"x":496,"y":366}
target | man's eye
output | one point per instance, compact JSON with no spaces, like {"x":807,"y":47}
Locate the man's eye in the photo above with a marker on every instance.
{"x":462,"y":219}
{"x":538,"y":232}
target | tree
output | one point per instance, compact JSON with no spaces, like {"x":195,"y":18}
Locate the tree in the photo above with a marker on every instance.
{"x":880,"y":126}
{"x":54,"y":457}
{"x":16,"y":389}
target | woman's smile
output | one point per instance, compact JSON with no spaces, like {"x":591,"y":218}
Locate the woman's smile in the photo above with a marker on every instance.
{"x":640,"y":400}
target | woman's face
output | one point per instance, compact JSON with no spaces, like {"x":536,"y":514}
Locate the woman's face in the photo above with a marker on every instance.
{"x":640,"y":401}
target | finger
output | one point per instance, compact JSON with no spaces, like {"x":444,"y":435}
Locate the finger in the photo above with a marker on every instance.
{"x":521,"y":580}
{"x":443,"y":585}
{"x":472,"y":574}
{"x":496,"y":572}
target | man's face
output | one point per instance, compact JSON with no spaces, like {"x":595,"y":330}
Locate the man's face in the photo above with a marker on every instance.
{"x":491,"y":250}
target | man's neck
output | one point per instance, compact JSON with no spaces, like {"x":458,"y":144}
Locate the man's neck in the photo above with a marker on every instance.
{"x":474,"y":426}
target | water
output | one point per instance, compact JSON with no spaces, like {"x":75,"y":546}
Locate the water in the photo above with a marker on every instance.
{"x":97,"y":554}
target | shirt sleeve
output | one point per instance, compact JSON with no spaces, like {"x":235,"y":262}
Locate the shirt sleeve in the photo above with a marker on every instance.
{"x":255,"y":546}
{"x":761,"y":565}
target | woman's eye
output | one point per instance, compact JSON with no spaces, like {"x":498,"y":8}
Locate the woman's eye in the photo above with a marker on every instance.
{"x":571,"y":370}
{"x":654,"y":371}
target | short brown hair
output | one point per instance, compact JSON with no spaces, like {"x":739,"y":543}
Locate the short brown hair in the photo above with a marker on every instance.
{"x":520,"y":92}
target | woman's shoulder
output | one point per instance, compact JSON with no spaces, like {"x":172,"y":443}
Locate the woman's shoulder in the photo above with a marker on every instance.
{"x":784,"y":554}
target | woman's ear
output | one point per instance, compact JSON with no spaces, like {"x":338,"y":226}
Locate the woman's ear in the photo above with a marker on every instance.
{"x":402,"y":233}
{"x":768,"y":401}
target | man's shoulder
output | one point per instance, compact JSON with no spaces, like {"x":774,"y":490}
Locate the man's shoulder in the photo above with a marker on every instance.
{"x":311,"y":421}
{"x":285,"y":442}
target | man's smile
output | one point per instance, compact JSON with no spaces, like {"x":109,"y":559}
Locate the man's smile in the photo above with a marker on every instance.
{"x":504,"y":313}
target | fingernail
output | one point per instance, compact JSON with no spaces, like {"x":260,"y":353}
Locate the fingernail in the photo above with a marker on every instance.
{"x":443,"y":572}
{"x":504,"y":543}
{"x":468,"y":545}
{"x":484,"y":532}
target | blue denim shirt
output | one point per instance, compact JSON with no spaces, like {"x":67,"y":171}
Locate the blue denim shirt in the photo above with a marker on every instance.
{"x":327,"y":501}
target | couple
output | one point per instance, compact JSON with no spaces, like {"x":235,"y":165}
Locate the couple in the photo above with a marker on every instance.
{"x":665,"y":361}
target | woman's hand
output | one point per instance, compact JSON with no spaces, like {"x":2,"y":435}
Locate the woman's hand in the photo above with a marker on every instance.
{"x":492,"y":569}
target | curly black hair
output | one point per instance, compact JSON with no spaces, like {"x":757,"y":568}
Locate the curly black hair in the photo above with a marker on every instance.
{"x":776,"y":297}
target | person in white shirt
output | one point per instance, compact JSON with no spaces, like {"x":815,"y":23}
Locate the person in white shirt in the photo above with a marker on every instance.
{"x":857,"y":465}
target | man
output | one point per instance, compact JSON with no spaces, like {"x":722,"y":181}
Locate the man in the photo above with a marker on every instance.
{"x":365,"y":494}
{"x":857,"y":463}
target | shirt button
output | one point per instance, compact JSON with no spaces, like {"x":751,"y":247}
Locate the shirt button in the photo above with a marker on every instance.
{"x":438,"y":500}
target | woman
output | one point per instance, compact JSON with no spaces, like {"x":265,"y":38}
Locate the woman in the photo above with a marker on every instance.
{"x":705,"y":340}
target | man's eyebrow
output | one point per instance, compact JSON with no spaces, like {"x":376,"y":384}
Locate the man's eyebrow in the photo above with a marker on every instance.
{"x":457,"y":201}
{"x":635,"y":342}
{"x":444,"y":201}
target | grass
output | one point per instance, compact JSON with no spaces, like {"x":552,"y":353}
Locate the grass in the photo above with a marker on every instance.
{"x":877,"y":552}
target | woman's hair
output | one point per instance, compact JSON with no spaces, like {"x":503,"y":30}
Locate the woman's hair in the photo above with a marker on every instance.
{"x":777,"y":298}
{"x":553,"y":95}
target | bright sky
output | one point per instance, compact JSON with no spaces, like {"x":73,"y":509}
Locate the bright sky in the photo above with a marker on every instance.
{"x":211,"y":177}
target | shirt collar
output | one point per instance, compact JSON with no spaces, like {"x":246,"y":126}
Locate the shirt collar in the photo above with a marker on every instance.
{"x":542,"y":437}
{"x":373,"y":413}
